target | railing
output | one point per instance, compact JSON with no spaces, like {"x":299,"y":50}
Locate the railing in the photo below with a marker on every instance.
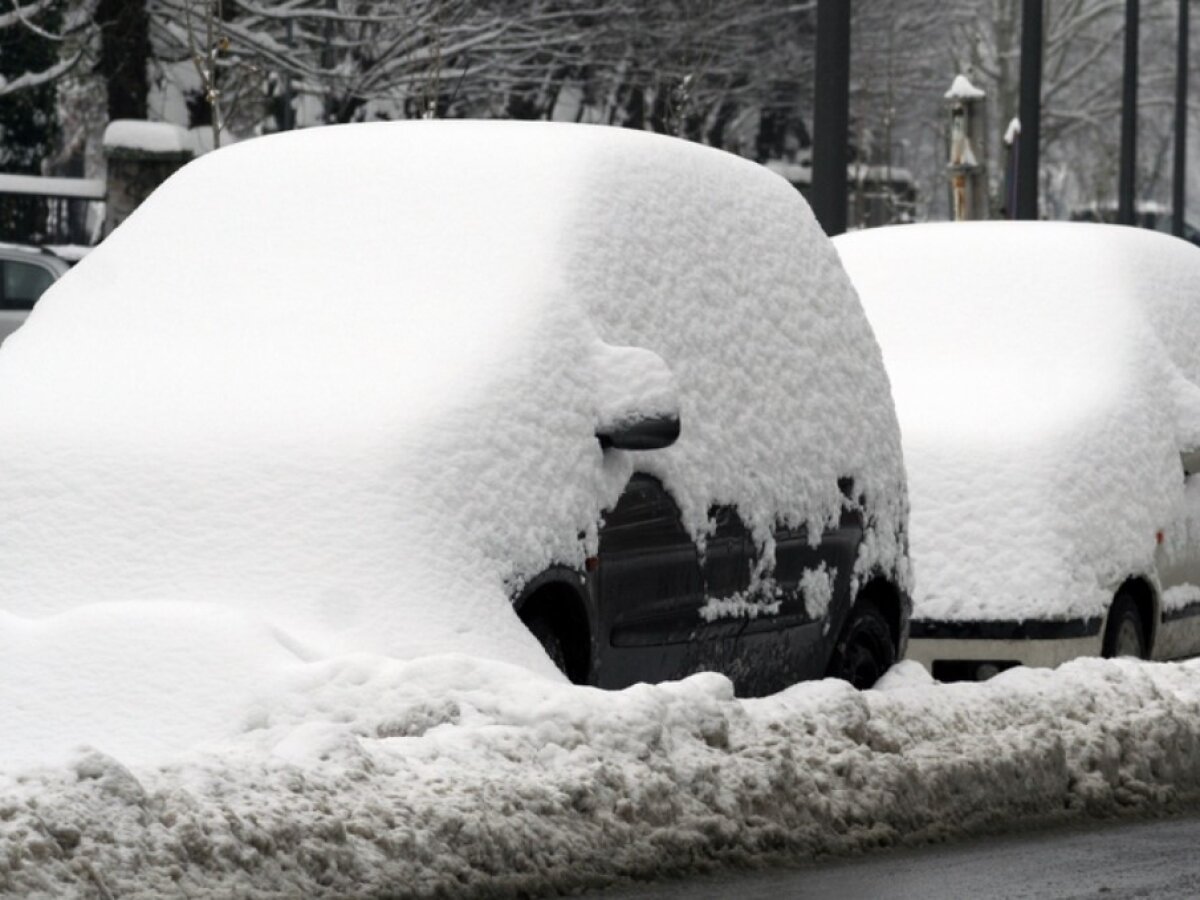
{"x":42,"y":210}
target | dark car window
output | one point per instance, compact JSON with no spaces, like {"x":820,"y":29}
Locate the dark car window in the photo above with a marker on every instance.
{"x":22,"y":284}
{"x":644,"y":517}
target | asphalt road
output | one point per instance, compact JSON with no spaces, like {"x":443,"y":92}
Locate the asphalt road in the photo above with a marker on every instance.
{"x":1151,"y":859}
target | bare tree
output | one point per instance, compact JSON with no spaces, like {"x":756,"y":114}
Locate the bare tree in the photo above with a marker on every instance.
{"x":902,"y":64}
{"x":1081,"y":97}
{"x":71,"y":37}
{"x":699,"y":68}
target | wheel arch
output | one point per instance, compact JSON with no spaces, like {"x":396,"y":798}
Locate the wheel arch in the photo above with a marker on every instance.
{"x":1145,"y":597}
{"x":558,"y":595}
{"x":890,"y":601}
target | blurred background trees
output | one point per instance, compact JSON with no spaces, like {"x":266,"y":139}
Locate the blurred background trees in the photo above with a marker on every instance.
{"x":735,"y":74}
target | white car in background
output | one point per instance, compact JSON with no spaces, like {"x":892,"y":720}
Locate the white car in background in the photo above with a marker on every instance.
{"x":1045,"y":376}
{"x":25,"y":274}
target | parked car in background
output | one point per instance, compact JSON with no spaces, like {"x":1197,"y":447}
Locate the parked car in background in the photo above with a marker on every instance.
{"x":434,"y":387}
{"x":25,"y":273}
{"x":1147,"y":214}
{"x":1045,"y":376}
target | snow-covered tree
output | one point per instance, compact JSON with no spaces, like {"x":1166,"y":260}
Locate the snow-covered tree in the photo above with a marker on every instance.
{"x":31,"y":36}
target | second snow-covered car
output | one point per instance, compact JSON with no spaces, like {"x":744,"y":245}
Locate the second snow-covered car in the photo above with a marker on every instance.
{"x":1045,"y":376}
{"x":384,"y":384}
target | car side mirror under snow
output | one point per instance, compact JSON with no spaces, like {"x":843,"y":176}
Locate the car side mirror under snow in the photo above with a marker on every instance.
{"x":642,"y":434}
{"x":637,"y":406}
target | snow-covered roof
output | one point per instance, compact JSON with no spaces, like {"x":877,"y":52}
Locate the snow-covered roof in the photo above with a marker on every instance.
{"x":800,"y":173}
{"x":347,"y":379}
{"x":1042,"y":414}
{"x":71,"y":253}
{"x":148,"y":137}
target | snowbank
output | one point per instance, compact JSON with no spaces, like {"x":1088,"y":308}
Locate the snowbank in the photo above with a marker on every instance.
{"x":347,"y":380}
{"x":140,"y":679}
{"x":1041,"y":411}
{"x":369,"y":777}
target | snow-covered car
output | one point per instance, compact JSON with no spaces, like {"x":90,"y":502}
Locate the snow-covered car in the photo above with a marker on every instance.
{"x":382,"y":385}
{"x":1045,"y":376}
{"x":25,"y":274}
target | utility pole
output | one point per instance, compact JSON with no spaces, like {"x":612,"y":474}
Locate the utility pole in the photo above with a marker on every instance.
{"x":1178,"y":206}
{"x":831,"y":115}
{"x":1125,"y":211}
{"x":1031,"y":110}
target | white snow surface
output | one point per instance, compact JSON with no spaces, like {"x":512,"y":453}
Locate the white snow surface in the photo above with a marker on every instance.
{"x":1045,"y":379}
{"x":344,"y":385}
{"x":962,"y":89}
{"x":455,"y":776}
{"x":1013,"y":131}
{"x":149,"y":137}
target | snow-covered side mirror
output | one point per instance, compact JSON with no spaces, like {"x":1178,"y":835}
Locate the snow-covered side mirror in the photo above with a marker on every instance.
{"x":637,"y":407}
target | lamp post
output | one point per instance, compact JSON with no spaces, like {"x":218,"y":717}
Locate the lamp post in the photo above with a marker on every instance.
{"x":967,"y":168}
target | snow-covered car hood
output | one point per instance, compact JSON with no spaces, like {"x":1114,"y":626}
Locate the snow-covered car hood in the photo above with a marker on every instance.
{"x":1042,"y":415}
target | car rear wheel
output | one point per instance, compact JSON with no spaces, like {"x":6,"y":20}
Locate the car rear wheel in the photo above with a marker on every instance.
{"x":864,"y":650}
{"x":1124,"y":635}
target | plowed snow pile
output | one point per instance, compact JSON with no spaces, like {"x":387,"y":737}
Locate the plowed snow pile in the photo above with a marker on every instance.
{"x":362,"y":776}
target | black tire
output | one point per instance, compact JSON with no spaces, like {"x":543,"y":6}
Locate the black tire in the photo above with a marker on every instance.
{"x":552,"y":642}
{"x":1124,"y":635}
{"x":864,"y":650}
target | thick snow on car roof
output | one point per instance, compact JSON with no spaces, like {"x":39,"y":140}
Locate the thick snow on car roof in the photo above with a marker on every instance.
{"x":347,"y":379}
{"x":1038,"y":405}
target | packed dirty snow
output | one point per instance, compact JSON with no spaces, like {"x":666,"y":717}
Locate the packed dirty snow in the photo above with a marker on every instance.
{"x":455,"y":776}
{"x":1040,"y":410}
{"x":347,"y":381}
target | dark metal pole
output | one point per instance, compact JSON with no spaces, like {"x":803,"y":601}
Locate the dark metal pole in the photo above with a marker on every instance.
{"x":1129,"y":116}
{"x":831,"y":115}
{"x":1178,"y":206}
{"x":1031,"y":110}
{"x":289,"y":114}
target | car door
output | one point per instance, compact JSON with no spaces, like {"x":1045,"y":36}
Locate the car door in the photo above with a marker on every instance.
{"x":812,"y":586}
{"x":727,"y":559}
{"x":650,"y":585}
